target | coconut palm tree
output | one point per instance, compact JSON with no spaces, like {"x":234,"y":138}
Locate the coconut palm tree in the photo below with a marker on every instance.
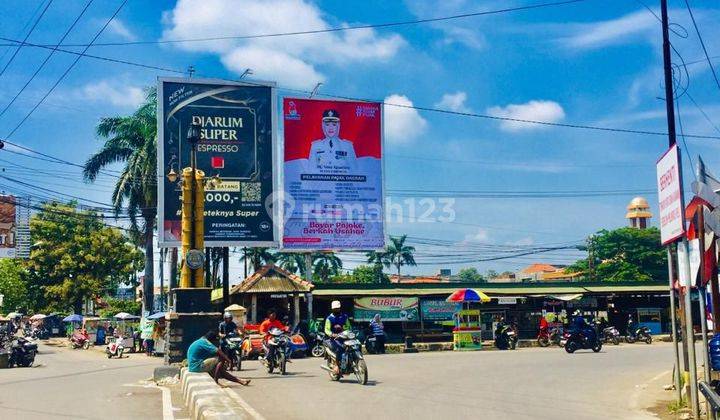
{"x":326,"y":265}
{"x":398,"y":254}
{"x":131,"y":140}
{"x":378,"y":259}
{"x":292,"y":262}
{"x":257,"y":257}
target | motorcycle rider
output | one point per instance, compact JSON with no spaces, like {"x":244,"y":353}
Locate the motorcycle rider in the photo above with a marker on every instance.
{"x":269,"y":323}
{"x":336,"y":323}
{"x":631,"y":328}
{"x":227,"y":328}
{"x":581,"y":325}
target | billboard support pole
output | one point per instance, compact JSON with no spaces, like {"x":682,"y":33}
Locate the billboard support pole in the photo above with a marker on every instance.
{"x":673,"y":327}
{"x":690,"y":334}
{"x":226,"y":277}
{"x":308,"y":267}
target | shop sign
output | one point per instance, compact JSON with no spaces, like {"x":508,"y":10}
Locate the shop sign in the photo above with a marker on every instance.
{"x":389,"y":308}
{"x":669,"y":183}
{"x":507,"y":301}
{"x":438,"y":309}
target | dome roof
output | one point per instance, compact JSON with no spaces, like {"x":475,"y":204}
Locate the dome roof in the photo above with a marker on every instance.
{"x":638,"y":203}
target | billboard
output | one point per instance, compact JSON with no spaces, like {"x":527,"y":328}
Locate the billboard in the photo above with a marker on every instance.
{"x":669,"y":182}
{"x":389,"y":308}
{"x":8,"y":226}
{"x":438,"y":309}
{"x":333,"y":175}
{"x":237,"y":143}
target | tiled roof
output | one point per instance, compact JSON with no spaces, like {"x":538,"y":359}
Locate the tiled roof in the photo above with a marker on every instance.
{"x":272,"y":279}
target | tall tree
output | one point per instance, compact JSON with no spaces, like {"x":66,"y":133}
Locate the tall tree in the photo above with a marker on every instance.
{"x":470,"y":275}
{"x":399,"y":254}
{"x":292,"y":262}
{"x":325,"y":266}
{"x":132,"y":140}
{"x":378,"y":259}
{"x":13,"y":286}
{"x":625,"y":254}
{"x":76,"y":257}
{"x":257,"y":257}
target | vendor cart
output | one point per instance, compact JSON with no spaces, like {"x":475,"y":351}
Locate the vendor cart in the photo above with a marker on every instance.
{"x":467,"y":334}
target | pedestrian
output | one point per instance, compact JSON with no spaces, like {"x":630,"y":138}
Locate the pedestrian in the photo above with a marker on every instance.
{"x":146,"y":334}
{"x":204,"y":355}
{"x":378,"y":330}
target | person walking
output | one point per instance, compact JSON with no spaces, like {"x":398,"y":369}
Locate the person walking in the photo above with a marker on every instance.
{"x":378,"y":330}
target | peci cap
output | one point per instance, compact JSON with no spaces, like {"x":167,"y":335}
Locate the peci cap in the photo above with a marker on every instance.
{"x":335,"y":304}
{"x":331,"y":115}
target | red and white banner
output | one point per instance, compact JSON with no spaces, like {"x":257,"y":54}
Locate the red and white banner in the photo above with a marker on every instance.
{"x":333,"y":178}
{"x":669,"y":183}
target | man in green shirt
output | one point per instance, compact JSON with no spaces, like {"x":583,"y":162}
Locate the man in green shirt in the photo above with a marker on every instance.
{"x":204,"y":355}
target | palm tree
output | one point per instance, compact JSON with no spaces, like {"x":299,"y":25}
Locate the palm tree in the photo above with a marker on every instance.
{"x":399,"y":254}
{"x":326,"y":265}
{"x":292,"y":262}
{"x":257,"y":257}
{"x":132,"y":141}
{"x":378,"y":259}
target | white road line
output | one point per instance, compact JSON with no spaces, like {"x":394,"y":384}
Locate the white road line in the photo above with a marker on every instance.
{"x":167,"y":404}
{"x":251,"y":411}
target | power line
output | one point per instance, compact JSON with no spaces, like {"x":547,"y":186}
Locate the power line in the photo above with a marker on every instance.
{"x":26,"y":38}
{"x":42,"y":65}
{"x":334,"y":29}
{"x":97,"y":35}
{"x":702,"y":43}
{"x":27,"y":23}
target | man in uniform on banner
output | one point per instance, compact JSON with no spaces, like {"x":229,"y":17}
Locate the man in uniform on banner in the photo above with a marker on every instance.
{"x":332,"y":154}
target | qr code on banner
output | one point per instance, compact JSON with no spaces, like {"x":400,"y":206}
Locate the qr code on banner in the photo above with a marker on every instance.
{"x":250,"y":191}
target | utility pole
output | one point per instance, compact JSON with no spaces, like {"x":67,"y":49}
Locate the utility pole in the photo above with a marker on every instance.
{"x":226,"y":277}
{"x":689,"y":342}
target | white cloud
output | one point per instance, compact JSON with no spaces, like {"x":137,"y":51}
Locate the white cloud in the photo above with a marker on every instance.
{"x":453,"y":102}
{"x":481,"y":235}
{"x":527,"y":241}
{"x":612,"y":32}
{"x":536,"y":110}
{"x":117,"y":27}
{"x":116,"y":94}
{"x":290,"y":60}
{"x":464,"y":32}
{"x":402,"y":125}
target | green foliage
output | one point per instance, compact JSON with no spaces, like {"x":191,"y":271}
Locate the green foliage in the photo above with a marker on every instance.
{"x":325,"y":266}
{"x":120,"y":305}
{"x":363,"y":274}
{"x":257,"y":257}
{"x":292,"y":262}
{"x":491,"y":274}
{"x":12,"y":285}
{"x":470,"y":275}
{"x":624,"y":254}
{"x":396,"y":254}
{"x":76,"y":257}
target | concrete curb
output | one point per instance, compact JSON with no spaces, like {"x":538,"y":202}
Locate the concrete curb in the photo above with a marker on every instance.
{"x":206,"y":400}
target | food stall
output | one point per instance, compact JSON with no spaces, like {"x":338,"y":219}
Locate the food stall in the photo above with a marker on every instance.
{"x":125,"y":325}
{"x":158,"y":333}
{"x":92,"y":325}
{"x":467,"y":334}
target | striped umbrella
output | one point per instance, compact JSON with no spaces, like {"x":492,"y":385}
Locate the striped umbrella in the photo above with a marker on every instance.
{"x":468,"y":295}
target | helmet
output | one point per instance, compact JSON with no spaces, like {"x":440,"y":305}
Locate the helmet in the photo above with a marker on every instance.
{"x":227,"y":315}
{"x":335,"y":304}
{"x":577,"y":312}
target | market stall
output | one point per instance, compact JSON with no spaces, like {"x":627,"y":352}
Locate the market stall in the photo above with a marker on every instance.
{"x":467,"y":334}
{"x":158,"y":332}
{"x":125,"y":326}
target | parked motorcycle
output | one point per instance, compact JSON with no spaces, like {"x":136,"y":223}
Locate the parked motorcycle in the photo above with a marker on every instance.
{"x":22,"y":352}
{"x":353,"y":361}
{"x":317,"y":348}
{"x":279,"y":341}
{"x":79,"y":339}
{"x":575,"y":340}
{"x":547,"y":337}
{"x":505,"y":337}
{"x":115,"y":348}
{"x":638,"y":334}
{"x":611,"y":334}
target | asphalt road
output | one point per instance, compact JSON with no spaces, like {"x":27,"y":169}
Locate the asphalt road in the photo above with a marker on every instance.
{"x":619,"y":382}
{"x":80,"y":384}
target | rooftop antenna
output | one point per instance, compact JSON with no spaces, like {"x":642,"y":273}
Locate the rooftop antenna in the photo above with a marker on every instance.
{"x":191,"y":71}
{"x":315,"y":90}
{"x":247,"y":72}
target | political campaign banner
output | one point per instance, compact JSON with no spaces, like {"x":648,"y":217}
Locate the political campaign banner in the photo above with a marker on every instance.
{"x":389,"y":308}
{"x":8,"y":226}
{"x":333,"y":175}
{"x":237,"y":143}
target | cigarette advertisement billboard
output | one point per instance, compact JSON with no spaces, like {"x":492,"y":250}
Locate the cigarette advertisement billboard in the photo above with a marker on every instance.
{"x":237,"y":143}
{"x":333,"y":175}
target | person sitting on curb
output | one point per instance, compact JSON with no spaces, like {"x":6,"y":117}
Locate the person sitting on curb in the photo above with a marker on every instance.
{"x":204,"y":355}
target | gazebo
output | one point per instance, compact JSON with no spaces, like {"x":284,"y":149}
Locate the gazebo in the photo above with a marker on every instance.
{"x":273,"y":287}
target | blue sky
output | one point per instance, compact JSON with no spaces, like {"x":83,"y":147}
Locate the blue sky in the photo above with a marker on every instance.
{"x":593,"y":62}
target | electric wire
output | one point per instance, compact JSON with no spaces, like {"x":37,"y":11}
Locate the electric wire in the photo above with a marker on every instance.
{"x":12,"y":57}
{"x":702,"y":43}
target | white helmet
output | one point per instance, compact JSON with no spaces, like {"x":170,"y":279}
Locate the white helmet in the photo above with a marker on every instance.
{"x":335,"y":304}
{"x":227,"y":315}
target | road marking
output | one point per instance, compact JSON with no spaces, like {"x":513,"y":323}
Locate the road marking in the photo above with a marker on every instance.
{"x":166,"y":398}
{"x":635,"y":397}
{"x":251,"y":411}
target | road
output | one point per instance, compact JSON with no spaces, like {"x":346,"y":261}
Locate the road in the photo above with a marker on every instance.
{"x":527,"y":383}
{"x":80,"y":384}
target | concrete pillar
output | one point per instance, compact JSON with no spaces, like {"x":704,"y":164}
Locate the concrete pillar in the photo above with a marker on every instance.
{"x":253,"y":309}
{"x":296,"y":308}
{"x":309,"y":298}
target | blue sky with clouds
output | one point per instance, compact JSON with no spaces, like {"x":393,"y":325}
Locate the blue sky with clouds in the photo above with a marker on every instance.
{"x":593,"y":63}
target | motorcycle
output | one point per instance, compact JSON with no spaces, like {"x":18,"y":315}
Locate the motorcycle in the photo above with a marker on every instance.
{"x":79,"y":339}
{"x":232,"y":345}
{"x":505,"y":337}
{"x":279,"y":341}
{"x":547,"y":337}
{"x":611,"y":334}
{"x":638,"y":334}
{"x":115,"y":348}
{"x":576,"y":340}
{"x":317,"y":348}
{"x":353,"y":361}
{"x":22,"y":352}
